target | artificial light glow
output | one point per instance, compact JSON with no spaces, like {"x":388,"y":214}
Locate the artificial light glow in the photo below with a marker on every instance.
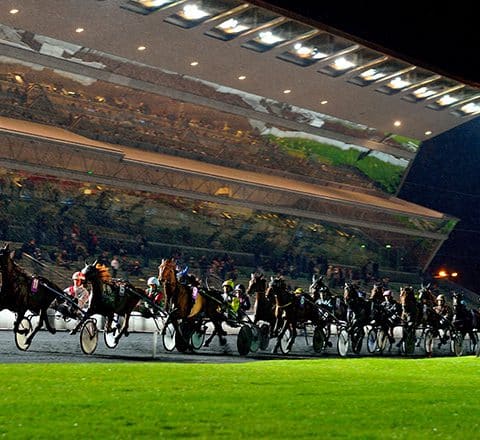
{"x":423,"y":92}
{"x":268,"y":38}
{"x":470,"y":108}
{"x":454,"y":274}
{"x":194,"y":63}
{"x":388,"y":246}
{"x":79,"y":30}
{"x":372,"y":75}
{"x":242,"y":77}
{"x":397,"y":123}
{"x":442,"y":273}
{"x":428,"y":133}
{"x":446,"y":100}
{"x":140,"y":48}
{"x":398,"y":83}
{"x":19,"y":79}
{"x":324,"y":102}
{"x":193,"y":12}
{"x":14,"y":11}
{"x":87,"y":191}
{"x":342,"y":64}
{"x":232,"y":27}
{"x":287,"y":91}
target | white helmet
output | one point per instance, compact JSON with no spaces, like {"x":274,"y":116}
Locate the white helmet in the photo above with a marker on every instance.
{"x":153,"y":280}
{"x":78,"y":276}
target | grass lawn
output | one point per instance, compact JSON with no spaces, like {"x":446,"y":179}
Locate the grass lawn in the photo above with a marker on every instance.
{"x":364,"y":398}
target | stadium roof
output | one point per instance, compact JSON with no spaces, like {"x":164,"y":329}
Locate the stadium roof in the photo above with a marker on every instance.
{"x":257,"y":50}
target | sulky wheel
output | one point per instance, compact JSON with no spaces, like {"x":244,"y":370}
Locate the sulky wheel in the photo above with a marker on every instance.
{"x":198,"y":337}
{"x":25,"y":329}
{"x":89,"y":336}
{"x":168,"y":336}
{"x":319,"y":339}
{"x":286,"y":341}
{"x":372,"y":340}
{"x":255,"y":344}
{"x":264,"y":336}
{"x":244,"y":340}
{"x":342,"y":343}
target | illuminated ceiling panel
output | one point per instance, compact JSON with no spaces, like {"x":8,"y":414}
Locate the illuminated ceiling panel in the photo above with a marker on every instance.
{"x":194,"y":13}
{"x":407,"y":80}
{"x":379,"y":72}
{"x":431,"y":89}
{"x":469,"y":108}
{"x":307,"y":52}
{"x":239,"y":24}
{"x":453,"y":98}
{"x":146,"y":7}
{"x":350,"y":61}
{"x":269,"y":38}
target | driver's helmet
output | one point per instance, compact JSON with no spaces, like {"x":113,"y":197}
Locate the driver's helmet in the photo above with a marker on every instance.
{"x":387,"y":294}
{"x":440,"y":298}
{"x":239,"y":288}
{"x":298,"y":291}
{"x":228,"y":284}
{"x":153,"y":281}
{"x":78,"y":276}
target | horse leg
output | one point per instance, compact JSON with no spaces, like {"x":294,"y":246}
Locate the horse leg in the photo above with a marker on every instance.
{"x":293,"y":326}
{"x":18,"y":320}
{"x":279,"y":337}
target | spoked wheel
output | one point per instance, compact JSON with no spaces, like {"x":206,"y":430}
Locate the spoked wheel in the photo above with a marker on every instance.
{"x":409,"y":339}
{"x":474,"y":344}
{"x":255,"y":344}
{"x":319,"y":339}
{"x":168,"y":336}
{"x":25,"y":329}
{"x":342,"y":343}
{"x":382,"y":339}
{"x":429,"y":338}
{"x":264,"y":336}
{"x":372,"y":340}
{"x":456,"y":344}
{"x":198,"y":337}
{"x":357,"y":340}
{"x":89,"y":336}
{"x":285,"y":342}
{"x":244,"y":340}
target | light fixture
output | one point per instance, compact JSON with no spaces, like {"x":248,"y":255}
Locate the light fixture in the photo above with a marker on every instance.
{"x":141,"y":48}
{"x":79,"y":30}
{"x":242,"y":77}
{"x":287,"y":91}
{"x":397,"y":123}
{"x":428,"y":133}
{"x":14,"y":11}
{"x":194,"y":63}
{"x":324,"y":102}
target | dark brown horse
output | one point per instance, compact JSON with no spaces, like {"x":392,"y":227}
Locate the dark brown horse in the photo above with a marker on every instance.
{"x":189,"y":304}
{"x":110,"y":297}
{"x":264,"y":307}
{"x":21,"y":292}
{"x":465,"y":320}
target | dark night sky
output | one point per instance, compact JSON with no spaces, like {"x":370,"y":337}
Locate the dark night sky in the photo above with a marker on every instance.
{"x":446,"y":173}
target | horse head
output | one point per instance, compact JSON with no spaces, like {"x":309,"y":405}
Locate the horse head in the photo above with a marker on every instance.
{"x":167,"y":271}
{"x":350,"y":293}
{"x":376,"y":293}
{"x":256,"y":284}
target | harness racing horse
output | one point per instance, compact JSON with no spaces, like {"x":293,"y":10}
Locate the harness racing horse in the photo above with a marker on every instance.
{"x":189,"y":305}
{"x":409,"y":318}
{"x":264,"y":307}
{"x":108,"y":298}
{"x":465,"y":321}
{"x":21,"y":292}
{"x":323,"y":296}
{"x":292,"y":311}
{"x":358,"y":315}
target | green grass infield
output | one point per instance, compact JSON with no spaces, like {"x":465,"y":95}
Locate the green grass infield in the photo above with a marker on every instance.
{"x":363,"y":398}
